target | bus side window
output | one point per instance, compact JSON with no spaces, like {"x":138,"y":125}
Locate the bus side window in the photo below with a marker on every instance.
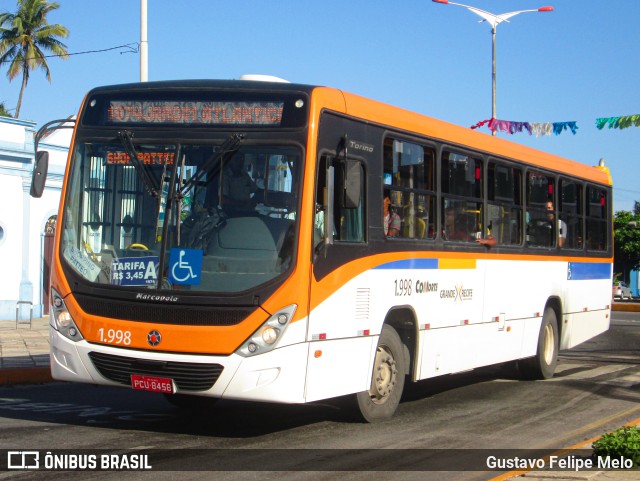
{"x":409,"y":180}
{"x":541,"y":228}
{"x":597,"y":215}
{"x":504,"y":208}
{"x":461,"y":182}
{"x":571,"y":214}
{"x":348,"y":210}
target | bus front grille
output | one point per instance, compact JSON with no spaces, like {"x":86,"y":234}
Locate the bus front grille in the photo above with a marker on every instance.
{"x":186,"y":375}
{"x":164,"y":314}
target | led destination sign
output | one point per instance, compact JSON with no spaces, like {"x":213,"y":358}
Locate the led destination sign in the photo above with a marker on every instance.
{"x":147,"y":158}
{"x":194,"y":113}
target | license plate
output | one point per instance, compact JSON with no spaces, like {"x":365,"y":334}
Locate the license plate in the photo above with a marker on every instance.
{"x":141,"y":382}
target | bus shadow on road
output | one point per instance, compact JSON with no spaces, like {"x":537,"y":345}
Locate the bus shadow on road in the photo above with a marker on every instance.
{"x":122,"y":409}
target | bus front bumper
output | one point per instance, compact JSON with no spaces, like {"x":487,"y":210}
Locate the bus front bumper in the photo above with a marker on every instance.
{"x":275,"y":376}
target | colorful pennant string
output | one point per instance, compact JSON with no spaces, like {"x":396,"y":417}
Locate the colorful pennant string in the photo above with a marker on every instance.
{"x":621,"y":122}
{"x":537,"y":128}
{"x":556,"y":128}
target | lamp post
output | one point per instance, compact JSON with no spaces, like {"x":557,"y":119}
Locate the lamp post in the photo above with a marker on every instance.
{"x":493,"y":20}
{"x":144,"y":45}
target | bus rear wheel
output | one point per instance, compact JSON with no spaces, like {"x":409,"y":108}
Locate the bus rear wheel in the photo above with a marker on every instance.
{"x":387,"y":380}
{"x":543,"y":364}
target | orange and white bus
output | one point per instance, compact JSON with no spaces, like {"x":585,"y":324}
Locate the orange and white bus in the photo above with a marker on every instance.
{"x":229,"y":239}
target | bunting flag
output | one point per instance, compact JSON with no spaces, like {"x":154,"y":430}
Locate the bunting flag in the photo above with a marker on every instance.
{"x":537,"y":128}
{"x":556,"y":128}
{"x":621,"y":122}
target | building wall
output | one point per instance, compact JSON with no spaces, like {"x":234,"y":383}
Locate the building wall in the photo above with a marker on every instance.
{"x":23,"y":218}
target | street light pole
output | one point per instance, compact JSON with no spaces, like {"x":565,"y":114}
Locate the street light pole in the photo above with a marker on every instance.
{"x":493,"y":20}
{"x":144,"y":45}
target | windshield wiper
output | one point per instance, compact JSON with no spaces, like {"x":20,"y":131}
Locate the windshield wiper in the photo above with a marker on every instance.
{"x":149,"y":182}
{"x":231,"y":145}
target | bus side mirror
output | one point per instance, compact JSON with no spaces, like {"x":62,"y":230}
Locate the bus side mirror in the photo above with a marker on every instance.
{"x":353,"y":185}
{"x":39,"y":176}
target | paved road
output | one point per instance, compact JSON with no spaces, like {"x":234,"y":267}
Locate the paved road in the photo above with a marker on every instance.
{"x":595,"y":390}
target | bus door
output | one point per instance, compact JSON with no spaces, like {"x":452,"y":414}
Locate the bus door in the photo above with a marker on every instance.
{"x":339,"y":322}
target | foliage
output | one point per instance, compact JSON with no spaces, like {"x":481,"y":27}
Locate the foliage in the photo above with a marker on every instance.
{"x":626,"y":246}
{"x":3,"y":110}
{"x":621,"y":442}
{"x":26,"y":38}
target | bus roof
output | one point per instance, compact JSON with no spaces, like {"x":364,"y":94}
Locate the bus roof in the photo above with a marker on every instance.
{"x":382,"y":113}
{"x":204,"y":84}
{"x":385,"y":114}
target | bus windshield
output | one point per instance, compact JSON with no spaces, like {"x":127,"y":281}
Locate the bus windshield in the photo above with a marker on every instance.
{"x":190,"y":217}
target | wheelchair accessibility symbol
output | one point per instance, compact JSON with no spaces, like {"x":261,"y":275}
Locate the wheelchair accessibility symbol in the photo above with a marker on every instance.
{"x":185,"y":266}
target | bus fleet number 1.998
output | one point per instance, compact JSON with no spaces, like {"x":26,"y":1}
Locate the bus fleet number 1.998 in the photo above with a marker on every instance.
{"x":114,"y":336}
{"x":403,"y":287}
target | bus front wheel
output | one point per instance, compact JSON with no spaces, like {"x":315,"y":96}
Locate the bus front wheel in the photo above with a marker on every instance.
{"x":387,"y":380}
{"x":543,"y":364}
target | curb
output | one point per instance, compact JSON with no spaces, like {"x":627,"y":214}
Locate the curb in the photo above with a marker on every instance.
{"x":30,"y":375}
{"x":625,"y":307}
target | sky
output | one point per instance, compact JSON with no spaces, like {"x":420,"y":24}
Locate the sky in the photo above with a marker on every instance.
{"x":577,"y":63}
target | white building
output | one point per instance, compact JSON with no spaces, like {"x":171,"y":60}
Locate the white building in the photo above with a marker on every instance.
{"x":25,"y":221}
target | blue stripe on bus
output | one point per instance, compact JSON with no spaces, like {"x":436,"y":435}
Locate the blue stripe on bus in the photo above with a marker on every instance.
{"x":410,"y":264}
{"x":580,"y":271}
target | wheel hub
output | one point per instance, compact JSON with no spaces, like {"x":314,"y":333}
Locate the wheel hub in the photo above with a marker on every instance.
{"x":384,"y":375}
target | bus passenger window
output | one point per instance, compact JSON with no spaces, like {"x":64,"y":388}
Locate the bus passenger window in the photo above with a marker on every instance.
{"x":504,"y":207}
{"x":541,"y":225}
{"x":571,"y":214}
{"x":348,"y":220}
{"x":462,"y":216}
{"x":597,"y":215}
{"x":409,"y":180}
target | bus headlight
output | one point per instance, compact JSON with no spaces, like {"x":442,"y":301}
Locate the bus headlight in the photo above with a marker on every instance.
{"x":267,"y":336}
{"x":61,"y":319}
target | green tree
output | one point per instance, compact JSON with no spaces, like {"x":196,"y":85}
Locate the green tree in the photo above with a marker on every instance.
{"x":26,"y":38}
{"x":3,"y":110}
{"x":626,"y":243}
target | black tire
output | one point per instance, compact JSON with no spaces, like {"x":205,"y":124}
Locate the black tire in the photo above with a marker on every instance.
{"x":544,"y":363}
{"x":187,"y":402}
{"x":387,"y":381}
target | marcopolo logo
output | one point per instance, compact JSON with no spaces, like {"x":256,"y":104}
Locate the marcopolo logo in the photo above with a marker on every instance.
{"x":154,"y":338}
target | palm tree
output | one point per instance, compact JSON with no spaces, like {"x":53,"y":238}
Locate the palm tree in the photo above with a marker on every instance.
{"x":26,"y":37}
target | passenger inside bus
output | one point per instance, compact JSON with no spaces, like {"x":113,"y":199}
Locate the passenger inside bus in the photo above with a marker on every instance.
{"x":391,"y":219}
{"x":560,"y":224}
{"x":463,"y":226}
{"x":458,"y":226}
